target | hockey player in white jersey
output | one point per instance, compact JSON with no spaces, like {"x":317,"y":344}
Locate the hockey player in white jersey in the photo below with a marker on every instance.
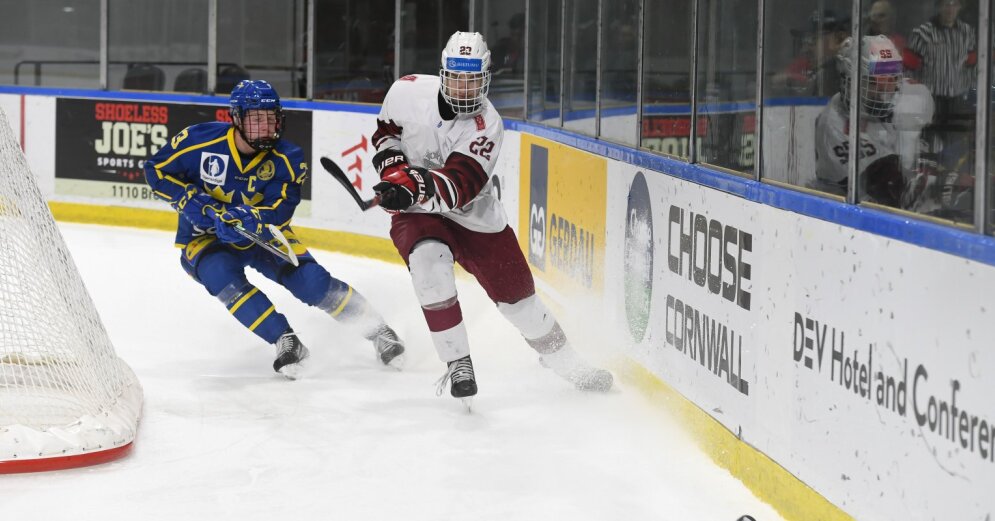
{"x":437,"y":141}
{"x":893,"y":112}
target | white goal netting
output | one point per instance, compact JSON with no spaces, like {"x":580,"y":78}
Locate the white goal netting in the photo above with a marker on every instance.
{"x":64,"y":393}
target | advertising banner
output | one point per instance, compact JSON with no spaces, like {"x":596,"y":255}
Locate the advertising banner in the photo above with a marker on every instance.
{"x":562,"y":228}
{"x":881,"y":351}
{"x":101,"y":145}
{"x":682,"y":266}
{"x":861,"y":365}
{"x":344,"y":137}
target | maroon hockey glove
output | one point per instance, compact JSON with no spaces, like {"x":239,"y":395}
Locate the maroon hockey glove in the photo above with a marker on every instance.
{"x":403,"y":188}
{"x":389,"y":161}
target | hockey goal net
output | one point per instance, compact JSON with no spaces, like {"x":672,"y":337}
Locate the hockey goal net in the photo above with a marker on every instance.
{"x":66,"y":399}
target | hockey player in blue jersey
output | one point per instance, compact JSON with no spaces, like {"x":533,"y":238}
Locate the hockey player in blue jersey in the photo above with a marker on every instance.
{"x":219,"y":176}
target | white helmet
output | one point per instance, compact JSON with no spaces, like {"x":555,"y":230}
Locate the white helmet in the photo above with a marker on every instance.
{"x":880,"y":74}
{"x":466,"y":72}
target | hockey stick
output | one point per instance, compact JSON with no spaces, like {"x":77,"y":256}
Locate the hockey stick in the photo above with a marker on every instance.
{"x":339,"y":175}
{"x":288,"y":255}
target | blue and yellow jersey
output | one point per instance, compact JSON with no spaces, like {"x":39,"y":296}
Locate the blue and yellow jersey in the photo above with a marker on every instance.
{"x":205,"y":156}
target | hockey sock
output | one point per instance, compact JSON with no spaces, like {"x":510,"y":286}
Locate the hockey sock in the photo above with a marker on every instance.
{"x":348,"y":306}
{"x":536,"y":323}
{"x":253,"y":309}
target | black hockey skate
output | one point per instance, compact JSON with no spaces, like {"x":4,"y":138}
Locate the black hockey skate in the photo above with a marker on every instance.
{"x":389,"y":347}
{"x":464,"y":384}
{"x":290,"y":352}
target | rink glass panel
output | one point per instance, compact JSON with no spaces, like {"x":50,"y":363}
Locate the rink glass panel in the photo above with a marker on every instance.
{"x":502,"y":22}
{"x":354,"y":62}
{"x":580,"y":60}
{"x":666,"y":81}
{"x":426,"y":26}
{"x":989,"y":179}
{"x":726,"y":83}
{"x":262,"y":41}
{"x":801,"y":40}
{"x":580,"y":48}
{"x":619,"y":72}
{"x":939,"y":180}
{"x":150,"y":42}
{"x":39,"y":36}
{"x":544,"y":46}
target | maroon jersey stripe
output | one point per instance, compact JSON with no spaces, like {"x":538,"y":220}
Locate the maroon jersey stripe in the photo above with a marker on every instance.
{"x":467,"y":175}
{"x":386,"y":129}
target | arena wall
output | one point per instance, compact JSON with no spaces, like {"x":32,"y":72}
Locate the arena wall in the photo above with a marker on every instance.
{"x":835,"y":358}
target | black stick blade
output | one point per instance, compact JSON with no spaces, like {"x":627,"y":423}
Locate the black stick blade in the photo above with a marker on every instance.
{"x":340,"y":176}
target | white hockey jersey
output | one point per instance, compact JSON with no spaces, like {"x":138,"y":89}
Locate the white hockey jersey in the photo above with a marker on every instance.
{"x":461,"y":152}
{"x":878,"y":139}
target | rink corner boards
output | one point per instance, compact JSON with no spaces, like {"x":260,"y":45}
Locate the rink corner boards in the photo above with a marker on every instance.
{"x":792,"y":498}
{"x":770,"y":482}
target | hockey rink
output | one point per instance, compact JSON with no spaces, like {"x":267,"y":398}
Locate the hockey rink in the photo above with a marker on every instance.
{"x":224,"y":437}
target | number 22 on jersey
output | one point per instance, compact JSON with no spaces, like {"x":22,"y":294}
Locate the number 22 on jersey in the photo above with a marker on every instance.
{"x":482,"y":147}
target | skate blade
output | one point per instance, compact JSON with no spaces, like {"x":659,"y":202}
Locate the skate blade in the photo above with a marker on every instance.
{"x":292,"y":371}
{"x":467,"y":402}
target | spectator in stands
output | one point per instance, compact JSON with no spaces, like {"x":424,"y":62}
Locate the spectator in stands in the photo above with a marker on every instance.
{"x":508,"y":52}
{"x":881,"y":20}
{"x":943,"y":54}
{"x":813,"y":72}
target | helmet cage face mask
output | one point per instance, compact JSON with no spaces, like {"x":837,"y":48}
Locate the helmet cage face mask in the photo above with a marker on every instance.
{"x":465,"y":75}
{"x":880,"y":75}
{"x":252,"y":104}
{"x":257,"y":123}
{"x":464,"y":91}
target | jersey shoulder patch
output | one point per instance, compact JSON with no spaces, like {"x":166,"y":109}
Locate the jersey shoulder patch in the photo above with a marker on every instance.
{"x":479,"y":120}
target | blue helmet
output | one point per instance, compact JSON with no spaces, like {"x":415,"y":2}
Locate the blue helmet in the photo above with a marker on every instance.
{"x":256,"y":95}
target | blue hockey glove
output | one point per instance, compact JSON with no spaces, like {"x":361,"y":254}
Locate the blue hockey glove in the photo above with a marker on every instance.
{"x":245,"y":216}
{"x":195,"y":206}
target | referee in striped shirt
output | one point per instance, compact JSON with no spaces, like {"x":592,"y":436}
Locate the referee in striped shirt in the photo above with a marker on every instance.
{"x":943,"y":51}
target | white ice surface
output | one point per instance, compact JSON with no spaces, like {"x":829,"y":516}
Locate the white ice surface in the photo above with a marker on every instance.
{"x":223,"y":437}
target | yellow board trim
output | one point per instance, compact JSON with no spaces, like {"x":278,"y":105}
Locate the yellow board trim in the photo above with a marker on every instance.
{"x":768,"y":480}
{"x":334,"y":241}
{"x":242,"y":300}
{"x":792,"y":498}
{"x":261,"y":318}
